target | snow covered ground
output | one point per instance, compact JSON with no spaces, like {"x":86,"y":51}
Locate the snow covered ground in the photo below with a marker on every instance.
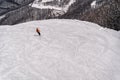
{"x":66,"y":50}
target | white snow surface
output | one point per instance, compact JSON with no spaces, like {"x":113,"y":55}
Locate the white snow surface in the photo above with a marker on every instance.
{"x":66,"y":50}
{"x":47,"y":0}
{"x":41,"y":6}
{"x":93,"y":4}
{"x":1,"y":17}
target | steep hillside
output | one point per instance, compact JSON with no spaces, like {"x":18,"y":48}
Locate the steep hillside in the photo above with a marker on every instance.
{"x":38,"y":10}
{"x":105,"y":12}
{"x":66,"y":50}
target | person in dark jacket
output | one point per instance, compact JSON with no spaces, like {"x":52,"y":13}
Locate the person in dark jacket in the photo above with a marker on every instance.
{"x":38,"y":31}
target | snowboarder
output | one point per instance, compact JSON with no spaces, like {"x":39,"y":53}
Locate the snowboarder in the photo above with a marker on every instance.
{"x":38,"y":31}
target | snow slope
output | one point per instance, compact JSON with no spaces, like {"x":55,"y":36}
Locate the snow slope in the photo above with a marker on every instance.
{"x":66,"y":50}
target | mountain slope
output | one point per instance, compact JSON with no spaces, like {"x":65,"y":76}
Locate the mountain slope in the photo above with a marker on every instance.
{"x":105,"y":13}
{"x":66,"y":50}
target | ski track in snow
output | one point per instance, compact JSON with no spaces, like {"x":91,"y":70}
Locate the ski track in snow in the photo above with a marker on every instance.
{"x":67,"y":50}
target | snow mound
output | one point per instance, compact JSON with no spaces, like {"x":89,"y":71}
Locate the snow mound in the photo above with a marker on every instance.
{"x":66,"y":50}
